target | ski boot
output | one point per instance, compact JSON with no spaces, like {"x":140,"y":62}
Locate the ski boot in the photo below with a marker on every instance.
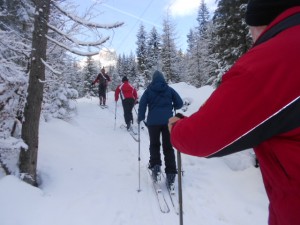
{"x":156,"y":173}
{"x":170,"y":181}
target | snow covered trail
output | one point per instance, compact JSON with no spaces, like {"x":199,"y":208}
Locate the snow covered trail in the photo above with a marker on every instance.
{"x":89,"y":176}
{"x":101,"y":170}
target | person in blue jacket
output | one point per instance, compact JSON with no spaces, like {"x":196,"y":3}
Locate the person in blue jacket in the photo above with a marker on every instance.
{"x":161,"y":99}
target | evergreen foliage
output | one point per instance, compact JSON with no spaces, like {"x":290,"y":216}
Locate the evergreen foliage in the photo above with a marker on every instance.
{"x":231,"y":34}
{"x":141,"y":52}
{"x":90,"y":72}
{"x":153,"y":53}
{"x":169,"y":52}
{"x":16,"y":23}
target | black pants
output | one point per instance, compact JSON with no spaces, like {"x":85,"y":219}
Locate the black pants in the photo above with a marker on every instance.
{"x":168,"y":151}
{"x":102,"y":94}
{"x":128,"y":104}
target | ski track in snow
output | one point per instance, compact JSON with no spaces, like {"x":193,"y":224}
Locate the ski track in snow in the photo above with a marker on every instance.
{"x":89,"y":176}
{"x":112,"y":159}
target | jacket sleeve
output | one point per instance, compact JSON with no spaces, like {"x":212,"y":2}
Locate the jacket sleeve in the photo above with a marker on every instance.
{"x":240,"y":114}
{"x":135,"y":96}
{"x":142,"y":106}
{"x":96,"y":80}
{"x":177,"y":101}
{"x":117,"y":93}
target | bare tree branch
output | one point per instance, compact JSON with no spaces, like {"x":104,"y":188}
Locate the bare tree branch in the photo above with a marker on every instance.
{"x":50,"y":68}
{"x":74,"y":51}
{"x":75,"y":41}
{"x":87,"y":23}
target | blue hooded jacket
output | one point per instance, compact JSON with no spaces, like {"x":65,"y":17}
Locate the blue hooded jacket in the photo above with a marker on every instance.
{"x":160,"y":99}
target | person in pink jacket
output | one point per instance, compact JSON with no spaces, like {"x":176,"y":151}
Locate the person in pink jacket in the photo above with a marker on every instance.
{"x":257,"y":105}
{"x":129,"y":97}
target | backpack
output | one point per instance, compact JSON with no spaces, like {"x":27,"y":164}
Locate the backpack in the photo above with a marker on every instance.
{"x":102,"y":79}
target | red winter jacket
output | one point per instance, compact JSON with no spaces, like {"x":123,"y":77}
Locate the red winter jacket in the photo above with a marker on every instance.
{"x":126,"y":90}
{"x":256,"y":106}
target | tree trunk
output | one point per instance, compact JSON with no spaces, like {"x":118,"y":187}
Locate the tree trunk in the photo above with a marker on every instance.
{"x":32,"y":110}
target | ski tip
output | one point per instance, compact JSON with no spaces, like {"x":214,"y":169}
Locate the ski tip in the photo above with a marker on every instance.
{"x":159,"y":190}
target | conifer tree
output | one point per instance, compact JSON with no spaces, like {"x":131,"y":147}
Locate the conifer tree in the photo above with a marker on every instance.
{"x":132,"y":70}
{"x":169,"y":52}
{"x":141,"y":52}
{"x":90,"y":72}
{"x":153,"y":53}
{"x":231,"y":35}
{"x":191,"y":58}
{"x":198,"y":47}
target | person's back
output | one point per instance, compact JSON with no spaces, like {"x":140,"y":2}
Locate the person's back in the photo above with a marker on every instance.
{"x":125,"y":90}
{"x":103,"y":79}
{"x":161,"y":99}
{"x":279,"y":156}
{"x":128,"y":96}
{"x":269,"y":122}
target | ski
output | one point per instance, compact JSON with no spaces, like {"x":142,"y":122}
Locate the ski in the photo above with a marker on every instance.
{"x":104,"y":106}
{"x":132,"y":132}
{"x":173,"y":196}
{"x":163,"y":205}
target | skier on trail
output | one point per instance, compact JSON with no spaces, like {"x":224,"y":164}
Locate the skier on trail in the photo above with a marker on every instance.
{"x":160,"y":99}
{"x":103,"y":80}
{"x":257,"y":105}
{"x":129,"y":97}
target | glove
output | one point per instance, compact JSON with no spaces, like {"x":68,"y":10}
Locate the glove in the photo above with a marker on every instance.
{"x":179,"y":115}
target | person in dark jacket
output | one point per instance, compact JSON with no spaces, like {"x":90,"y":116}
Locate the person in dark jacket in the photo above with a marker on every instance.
{"x":257,"y":105}
{"x":129,"y":97}
{"x":103,"y":79}
{"x":160,"y":99}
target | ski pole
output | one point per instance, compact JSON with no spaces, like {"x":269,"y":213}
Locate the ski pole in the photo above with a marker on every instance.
{"x":115,"y":116}
{"x":179,"y":115}
{"x":180,"y":188}
{"x":139,"y":156}
{"x":135,"y":110}
{"x":137,"y":114}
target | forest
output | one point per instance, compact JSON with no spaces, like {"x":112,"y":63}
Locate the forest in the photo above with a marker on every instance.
{"x":41,"y":76}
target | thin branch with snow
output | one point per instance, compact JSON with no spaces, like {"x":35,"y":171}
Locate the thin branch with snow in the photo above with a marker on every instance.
{"x":50,"y":67}
{"x":95,"y":43}
{"x":87,"y":23}
{"x":74,"y":51}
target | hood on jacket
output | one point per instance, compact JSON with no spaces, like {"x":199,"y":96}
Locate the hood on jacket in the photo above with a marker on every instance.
{"x":158,"y":82}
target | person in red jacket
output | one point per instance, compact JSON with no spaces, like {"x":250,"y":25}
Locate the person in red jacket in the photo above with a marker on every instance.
{"x":103,"y":79}
{"x":128,"y":96}
{"x":260,"y":101}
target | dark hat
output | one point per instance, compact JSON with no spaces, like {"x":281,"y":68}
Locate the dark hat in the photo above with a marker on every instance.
{"x":263,"y":12}
{"x":124,"y":79}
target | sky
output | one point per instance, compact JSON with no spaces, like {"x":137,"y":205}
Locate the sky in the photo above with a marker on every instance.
{"x":88,"y":171}
{"x":183,"y":14}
